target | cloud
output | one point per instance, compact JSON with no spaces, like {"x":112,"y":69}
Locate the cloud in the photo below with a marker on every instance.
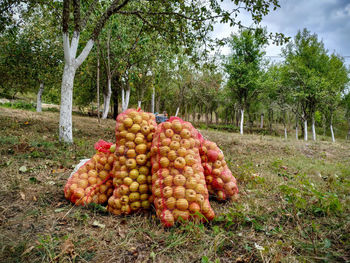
{"x":329,"y":19}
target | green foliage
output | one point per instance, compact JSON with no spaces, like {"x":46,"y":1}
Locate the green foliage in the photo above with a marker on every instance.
{"x":316,"y":79}
{"x":19,"y":105}
{"x":31,"y":54}
{"x":305,"y":197}
{"x":244,"y":67}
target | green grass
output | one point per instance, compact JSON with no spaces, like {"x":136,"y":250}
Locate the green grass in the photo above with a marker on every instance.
{"x":294,"y":203}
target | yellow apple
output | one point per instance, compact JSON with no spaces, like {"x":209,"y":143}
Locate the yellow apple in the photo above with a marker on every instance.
{"x":128,"y":122}
{"x":130,"y":163}
{"x":141,"y":148}
{"x":141,"y":159}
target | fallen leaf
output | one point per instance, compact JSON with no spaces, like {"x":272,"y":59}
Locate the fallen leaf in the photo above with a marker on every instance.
{"x":59,"y":210}
{"x":67,"y":247}
{"x":58,"y":171}
{"x":23,"y":169}
{"x":28,"y":250}
{"x":34,"y":198}
{"x":23,"y":196}
{"x":98,"y":224}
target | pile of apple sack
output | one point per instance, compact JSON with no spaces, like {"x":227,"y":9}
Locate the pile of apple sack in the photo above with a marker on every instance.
{"x":169,"y":166}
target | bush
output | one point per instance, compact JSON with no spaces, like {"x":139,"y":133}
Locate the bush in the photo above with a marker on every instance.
{"x":19,"y":105}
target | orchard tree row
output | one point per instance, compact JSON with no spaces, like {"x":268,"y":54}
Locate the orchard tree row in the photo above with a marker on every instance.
{"x":309,"y":84}
{"x":121,"y":54}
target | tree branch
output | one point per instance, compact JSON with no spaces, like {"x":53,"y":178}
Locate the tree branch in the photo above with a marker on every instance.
{"x":76,"y":14}
{"x":88,"y":13}
{"x":192,"y":18}
{"x":112,"y":9}
{"x":65,"y":16}
{"x":126,"y":59}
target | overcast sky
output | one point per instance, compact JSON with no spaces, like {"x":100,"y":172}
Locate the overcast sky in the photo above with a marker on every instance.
{"x":329,"y":19}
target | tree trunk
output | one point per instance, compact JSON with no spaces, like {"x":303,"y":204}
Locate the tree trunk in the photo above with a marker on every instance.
{"x":324,"y":124}
{"x":305,"y":129}
{"x":313,"y":128}
{"x":115,"y":95}
{"x":158,"y":103}
{"x":285,"y":132}
{"x":331,"y":127}
{"x":206,"y":117}
{"x":194,"y":114}
{"x":107,"y":98}
{"x":125,"y":98}
{"x":296,"y":127}
{"x":262,"y":120}
{"x":65,"y":126}
{"x":98,"y":81}
{"x":217,"y":117}
{"x":153,"y":98}
{"x":177,"y":111}
{"x":250,"y":120}
{"x":270,"y":113}
{"x":38,"y":97}
{"x":285,"y":124}
{"x":242,"y":121}
{"x":70,"y":66}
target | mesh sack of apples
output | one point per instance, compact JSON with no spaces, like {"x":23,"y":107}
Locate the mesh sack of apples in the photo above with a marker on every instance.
{"x":178,"y":183}
{"x":92,"y":182}
{"x":220,"y":181}
{"x":131,"y":170}
{"x":170,"y":166}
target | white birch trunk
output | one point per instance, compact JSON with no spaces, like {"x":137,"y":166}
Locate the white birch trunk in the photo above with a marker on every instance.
{"x":332,"y":132}
{"x":285,"y":133}
{"x":177,"y":111}
{"x":38,"y":97}
{"x":107,"y":99}
{"x":261,"y":121}
{"x":65,"y":126}
{"x":125,"y":99}
{"x":331,"y":127}
{"x":153,"y":97}
{"x":305,"y":130}
{"x":70,"y":66}
{"x":242,"y":121}
{"x":139,"y":104}
{"x":313,"y":129}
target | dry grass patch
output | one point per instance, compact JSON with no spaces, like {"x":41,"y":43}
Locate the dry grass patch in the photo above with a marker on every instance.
{"x":294,"y":202}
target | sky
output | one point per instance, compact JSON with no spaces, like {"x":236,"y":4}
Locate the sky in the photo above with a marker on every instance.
{"x":329,"y":19}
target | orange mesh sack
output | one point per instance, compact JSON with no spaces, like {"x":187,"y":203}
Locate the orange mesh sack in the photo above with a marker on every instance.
{"x":131,"y":172}
{"x":178,"y":182}
{"x":92,"y":182}
{"x":220,"y":181}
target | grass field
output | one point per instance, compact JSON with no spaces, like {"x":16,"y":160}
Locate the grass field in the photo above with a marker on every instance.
{"x":294,"y":203}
